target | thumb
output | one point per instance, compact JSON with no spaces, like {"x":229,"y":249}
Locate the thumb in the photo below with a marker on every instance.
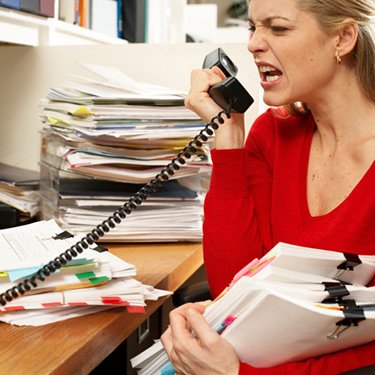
{"x":203,"y":331}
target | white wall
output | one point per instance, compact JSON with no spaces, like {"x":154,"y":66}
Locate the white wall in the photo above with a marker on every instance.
{"x":26,"y":73}
{"x":222,"y":7}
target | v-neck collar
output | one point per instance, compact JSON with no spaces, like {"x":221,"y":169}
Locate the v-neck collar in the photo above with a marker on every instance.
{"x":310,"y":129}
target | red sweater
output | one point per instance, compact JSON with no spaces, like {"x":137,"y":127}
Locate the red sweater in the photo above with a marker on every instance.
{"x":258,"y":198}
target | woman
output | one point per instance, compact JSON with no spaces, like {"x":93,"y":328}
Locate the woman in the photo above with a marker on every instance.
{"x":305,"y":178}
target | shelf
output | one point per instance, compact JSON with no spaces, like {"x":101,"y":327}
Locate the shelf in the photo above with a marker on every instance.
{"x":19,"y":28}
{"x":62,"y":33}
{"x":32,"y":30}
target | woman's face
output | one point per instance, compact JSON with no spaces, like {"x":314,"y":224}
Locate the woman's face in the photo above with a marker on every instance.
{"x":295,"y":58}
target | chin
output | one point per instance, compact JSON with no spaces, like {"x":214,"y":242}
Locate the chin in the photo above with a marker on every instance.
{"x":274,"y":100}
{"x":274,"y":103}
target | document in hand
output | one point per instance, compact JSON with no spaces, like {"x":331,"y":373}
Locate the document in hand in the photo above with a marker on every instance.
{"x":275,"y":328}
{"x":292,"y":304}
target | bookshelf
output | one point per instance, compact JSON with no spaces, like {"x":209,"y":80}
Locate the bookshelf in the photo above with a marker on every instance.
{"x":22,"y":28}
{"x":151,"y":21}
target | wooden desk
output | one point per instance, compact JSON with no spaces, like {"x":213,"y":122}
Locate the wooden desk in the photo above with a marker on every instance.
{"x":78,"y":345}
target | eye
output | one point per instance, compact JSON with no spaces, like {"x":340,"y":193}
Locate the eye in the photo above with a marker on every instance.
{"x":278,"y":29}
{"x":252,"y":29}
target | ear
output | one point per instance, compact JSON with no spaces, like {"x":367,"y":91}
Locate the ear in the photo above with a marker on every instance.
{"x":347,"y":36}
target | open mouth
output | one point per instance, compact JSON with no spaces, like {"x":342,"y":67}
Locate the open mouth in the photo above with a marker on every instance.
{"x":269,"y":74}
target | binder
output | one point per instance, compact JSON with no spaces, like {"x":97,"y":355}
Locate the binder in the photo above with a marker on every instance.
{"x":30,"y":6}
{"x":67,"y":11}
{"x":82,"y":10}
{"x":47,"y":8}
{"x":134,"y":20}
{"x":8,"y":216}
{"x":103,"y":17}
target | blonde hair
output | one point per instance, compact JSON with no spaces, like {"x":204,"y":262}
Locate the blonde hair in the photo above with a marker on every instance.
{"x":331,"y":14}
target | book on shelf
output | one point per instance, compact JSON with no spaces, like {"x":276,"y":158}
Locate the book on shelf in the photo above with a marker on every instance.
{"x":103,"y":17}
{"x":31,"y":6}
{"x":68,"y":11}
{"x":322,"y":304}
{"x":83,"y":13}
{"x":13,"y":4}
{"x":47,"y":8}
{"x":134,"y":20}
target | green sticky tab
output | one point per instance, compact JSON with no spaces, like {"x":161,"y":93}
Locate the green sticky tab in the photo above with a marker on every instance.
{"x":79,"y":262}
{"x":85,"y":275}
{"x":97,"y":280}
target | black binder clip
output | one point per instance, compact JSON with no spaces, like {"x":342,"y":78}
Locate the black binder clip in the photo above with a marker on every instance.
{"x":352,"y":260}
{"x":336,"y":291}
{"x":342,"y":326}
{"x":353,"y":315}
{"x":63,"y":235}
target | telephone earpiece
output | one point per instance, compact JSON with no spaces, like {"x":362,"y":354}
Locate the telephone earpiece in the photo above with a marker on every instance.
{"x":229,"y":93}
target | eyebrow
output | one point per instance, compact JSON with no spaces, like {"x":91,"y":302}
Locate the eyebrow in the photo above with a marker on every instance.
{"x":268,"y":20}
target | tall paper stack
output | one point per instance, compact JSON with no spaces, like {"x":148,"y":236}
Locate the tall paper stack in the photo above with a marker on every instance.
{"x":103,"y":139}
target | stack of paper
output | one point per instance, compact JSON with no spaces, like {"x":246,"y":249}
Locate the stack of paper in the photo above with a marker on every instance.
{"x":19,"y":189}
{"x":90,"y":282}
{"x":171,"y":214}
{"x":292,"y":304}
{"x":113,"y":128}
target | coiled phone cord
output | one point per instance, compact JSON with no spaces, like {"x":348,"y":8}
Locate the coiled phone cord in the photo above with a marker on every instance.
{"x":99,"y":231}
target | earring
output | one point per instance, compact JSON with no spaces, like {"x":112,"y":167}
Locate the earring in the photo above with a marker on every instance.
{"x":338,"y":57}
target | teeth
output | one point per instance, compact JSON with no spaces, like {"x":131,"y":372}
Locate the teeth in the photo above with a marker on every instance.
{"x":271,"y":78}
{"x":265,"y":69}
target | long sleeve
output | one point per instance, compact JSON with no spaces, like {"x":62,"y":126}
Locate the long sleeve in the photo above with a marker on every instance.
{"x":237,"y":207}
{"x":257,"y":197}
{"x":226,"y":237}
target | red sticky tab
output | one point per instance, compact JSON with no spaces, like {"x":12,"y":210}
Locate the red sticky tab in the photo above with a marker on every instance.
{"x":136,"y":309}
{"x":51,"y":304}
{"x":14,"y":308}
{"x":111,"y":299}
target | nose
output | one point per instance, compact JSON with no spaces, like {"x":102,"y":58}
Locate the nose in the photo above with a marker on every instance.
{"x":257,"y":42}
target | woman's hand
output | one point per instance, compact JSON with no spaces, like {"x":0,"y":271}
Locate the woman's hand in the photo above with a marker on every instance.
{"x":231,"y":134}
{"x":198,"y":99}
{"x":202,"y":352}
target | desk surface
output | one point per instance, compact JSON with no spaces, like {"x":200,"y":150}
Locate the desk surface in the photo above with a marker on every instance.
{"x":78,"y":345}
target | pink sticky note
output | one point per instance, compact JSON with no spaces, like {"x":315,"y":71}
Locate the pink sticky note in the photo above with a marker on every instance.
{"x":245,"y":270}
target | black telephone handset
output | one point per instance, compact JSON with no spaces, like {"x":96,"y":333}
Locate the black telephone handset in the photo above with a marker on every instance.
{"x":229,"y":92}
